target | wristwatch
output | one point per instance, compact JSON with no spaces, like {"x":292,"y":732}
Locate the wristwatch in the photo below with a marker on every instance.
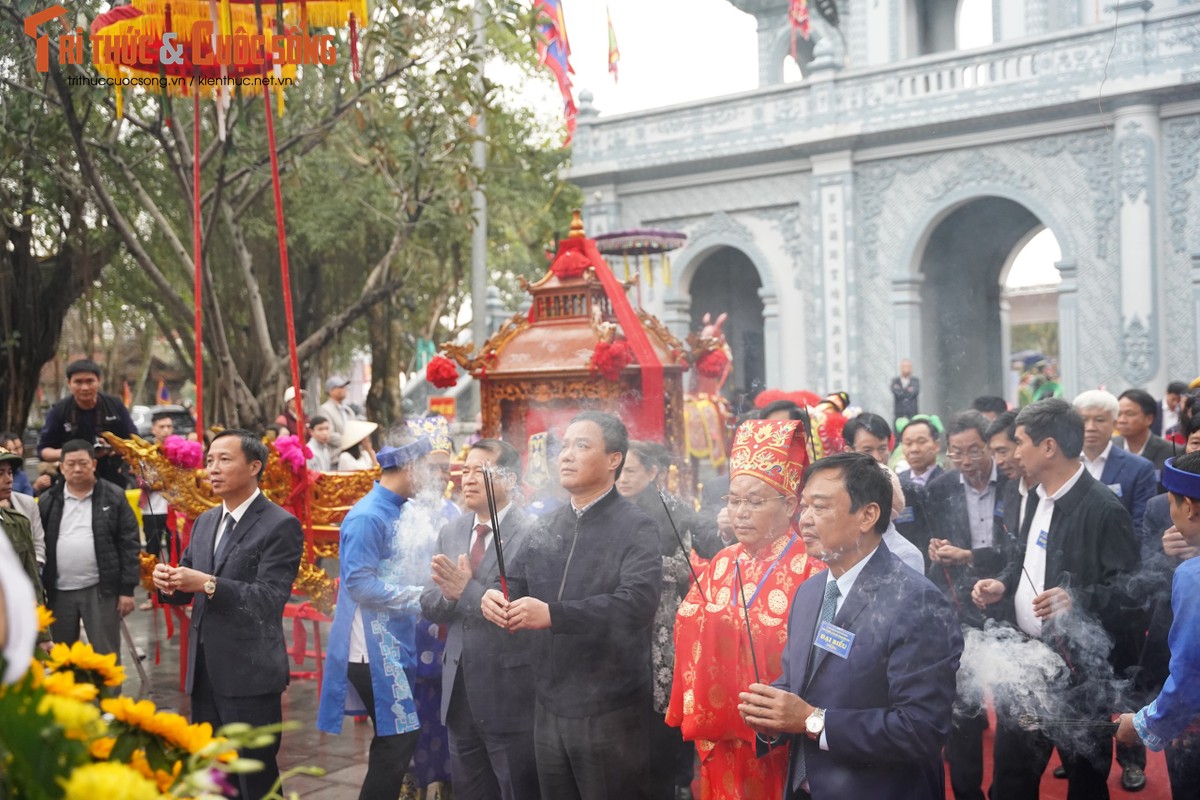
{"x":210,"y":585}
{"x":815,"y":723}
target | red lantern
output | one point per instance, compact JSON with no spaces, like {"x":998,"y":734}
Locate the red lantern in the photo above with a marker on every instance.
{"x":441,"y":372}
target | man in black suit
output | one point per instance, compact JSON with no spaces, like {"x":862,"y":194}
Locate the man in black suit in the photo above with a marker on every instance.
{"x":1136,"y":413}
{"x":1072,"y":575}
{"x":238,"y":573}
{"x":906,"y":388}
{"x":487,"y":680}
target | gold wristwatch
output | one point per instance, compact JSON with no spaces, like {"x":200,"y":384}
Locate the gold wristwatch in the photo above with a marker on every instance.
{"x":210,"y":585}
{"x":815,"y":723}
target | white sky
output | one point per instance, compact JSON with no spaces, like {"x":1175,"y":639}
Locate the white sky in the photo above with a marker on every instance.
{"x":673,"y":51}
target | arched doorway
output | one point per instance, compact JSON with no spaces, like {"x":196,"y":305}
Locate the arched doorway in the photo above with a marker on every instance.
{"x":964,"y":311}
{"x":726,"y":282}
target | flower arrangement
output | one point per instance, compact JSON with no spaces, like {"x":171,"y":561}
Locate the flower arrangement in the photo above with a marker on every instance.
{"x":441,"y":372}
{"x":712,"y":364}
{"x":62,"y":739}
{"x":609,"y":358}
{"x":293,"y":452}
{"x":183,"y":452}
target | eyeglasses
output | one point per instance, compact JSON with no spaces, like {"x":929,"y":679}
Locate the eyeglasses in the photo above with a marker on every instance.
{"x":752,"y":503}
{"x":970,"y":454}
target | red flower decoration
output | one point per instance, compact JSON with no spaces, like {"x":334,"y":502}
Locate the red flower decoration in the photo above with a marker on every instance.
{"x":609,"y":358}
{"x":712,"y":364}
{"x":441,"y":372}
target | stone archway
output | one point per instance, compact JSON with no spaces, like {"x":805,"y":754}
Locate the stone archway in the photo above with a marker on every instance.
{"x":725,"y":280}
{"x":963,"y":346}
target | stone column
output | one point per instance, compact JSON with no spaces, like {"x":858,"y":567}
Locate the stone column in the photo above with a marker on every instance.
{"x":832,"y":181}
{"x":1068,"y":328}
{"x":677,"y":313}
{"x":1137,"y":141}
{"x":906,"y":317}
{"x":777,"y":373}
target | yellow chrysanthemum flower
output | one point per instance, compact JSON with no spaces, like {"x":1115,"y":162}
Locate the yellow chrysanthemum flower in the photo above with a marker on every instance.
{"x":162,"y":779}
{"x":63,"y":684}
{"x":110,"y":780}
{"x":173,"y":729}
{"x":101,"y":749}
{"x":80,"y":656}
{"x":78,"y":720}
{"x":45,"y":618}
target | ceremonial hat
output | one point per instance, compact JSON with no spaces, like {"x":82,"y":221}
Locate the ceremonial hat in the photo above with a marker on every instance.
{"x":9,"y":457}
{"x":774,"y":451}
{"x":1178,"y":481}
{"x":436,"y":429}
{"x":396,"y":457}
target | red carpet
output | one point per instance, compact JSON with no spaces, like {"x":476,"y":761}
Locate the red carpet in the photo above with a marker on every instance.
{"x":1157,"y":786}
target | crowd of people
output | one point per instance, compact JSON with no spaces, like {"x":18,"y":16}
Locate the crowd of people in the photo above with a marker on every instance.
{"x":843,"y":626}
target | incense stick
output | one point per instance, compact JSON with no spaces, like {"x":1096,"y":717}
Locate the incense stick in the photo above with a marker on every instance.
{"x":490,"y":492}
{"x":737,"y":571}
{"x":692,"y":567}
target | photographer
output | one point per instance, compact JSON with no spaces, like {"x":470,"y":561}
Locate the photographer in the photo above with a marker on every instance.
{"x":86,"y":414}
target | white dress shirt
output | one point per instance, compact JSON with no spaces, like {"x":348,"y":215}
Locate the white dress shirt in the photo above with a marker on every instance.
{"x":1035,"y":557}
{"x":237,"y":515}
{"x":1096,"y":468}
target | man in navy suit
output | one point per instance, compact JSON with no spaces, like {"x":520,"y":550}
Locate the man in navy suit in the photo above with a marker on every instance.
{"x":868,"y":678}
{"x":237,"y":573}
{"x":1131,"y":478}
{"x":487,"y":680}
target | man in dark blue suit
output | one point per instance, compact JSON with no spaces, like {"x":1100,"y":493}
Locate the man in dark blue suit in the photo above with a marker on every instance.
{"x":1131,"y":478}
{"x":237,"y":573}
{"x":487,"y":679}
{"x":868,"y":678}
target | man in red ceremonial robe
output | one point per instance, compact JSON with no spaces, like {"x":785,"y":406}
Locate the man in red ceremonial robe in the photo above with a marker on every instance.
{"x":713,"y":659}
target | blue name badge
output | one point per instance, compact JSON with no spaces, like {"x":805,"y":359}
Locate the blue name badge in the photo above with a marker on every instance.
{"x":1041,"y":540}
{"x":833,"y":639}
{"x":1116,"y":488}
{"x":907,"y":515}
{"x":999,"y":512}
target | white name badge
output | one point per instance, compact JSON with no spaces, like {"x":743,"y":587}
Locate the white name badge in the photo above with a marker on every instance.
{"x":833,"y":639}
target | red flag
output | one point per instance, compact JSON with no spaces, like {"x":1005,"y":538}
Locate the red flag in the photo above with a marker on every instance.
{"x":798,"y":16}
{"x":554,"y":52}
{"x":614,"y":52}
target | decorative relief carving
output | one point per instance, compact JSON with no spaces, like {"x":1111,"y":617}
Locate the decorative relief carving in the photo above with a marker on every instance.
{"x":1093,"y":152}
{"x":1182,"y":137}
{"x":1133,"y":158}
{"x":1137,"y":351}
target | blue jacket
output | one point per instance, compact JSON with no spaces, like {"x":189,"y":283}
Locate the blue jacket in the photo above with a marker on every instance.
{"x":1178,"y":704}
{"x":383,"y":563}
{"x":888,"y":704}
{"x":1132,"y":479}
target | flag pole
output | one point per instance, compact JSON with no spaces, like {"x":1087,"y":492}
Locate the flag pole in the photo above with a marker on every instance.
{"x":479,"y":235}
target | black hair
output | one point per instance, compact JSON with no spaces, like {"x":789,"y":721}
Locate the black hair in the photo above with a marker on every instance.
{"x":652,"y":454}
{"x":79,"y":446}
{"x":1006,"y":424}
{"x":1144,"y":400}
{"x":990,"y":404}
{"x":968,"y":421}
{"x":507,"y":457}
{"x":1177,"y":387}
{"x":161,"y":415}
{"x":1053,"y":418}
{"x":252,"y":447}
{"x":921,"y":419}
{"x":865,"y":482}
{"x":9,"y":436}
{"x":612,"y":431}
{"x":793,"y":410}
{"x":873,"y":424}
{"x":83,"y":365}
{"x":313,"y":422}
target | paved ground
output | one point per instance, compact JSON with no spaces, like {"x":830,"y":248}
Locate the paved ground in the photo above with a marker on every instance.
{"x":344,"y":757}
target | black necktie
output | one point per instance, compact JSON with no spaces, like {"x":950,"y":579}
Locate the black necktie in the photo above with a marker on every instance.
{"x":223,"y":542}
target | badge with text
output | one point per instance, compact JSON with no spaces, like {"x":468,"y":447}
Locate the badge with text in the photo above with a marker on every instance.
{"x":999,"y":512}
{"x":907,"y":515}
{"x":1041,"y":540}
{"x":833,"y":639}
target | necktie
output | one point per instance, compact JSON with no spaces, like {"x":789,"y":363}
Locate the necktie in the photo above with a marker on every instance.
{"x":223,"y":540}
{"x":828,"y":607}
{"x":481,"y":533}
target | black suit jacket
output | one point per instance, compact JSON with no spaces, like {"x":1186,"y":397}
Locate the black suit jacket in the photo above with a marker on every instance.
{"x":241,"y":626}
{"x":946,"y":504}
{"x":114,"y":532}
{"x":495,"y":664}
